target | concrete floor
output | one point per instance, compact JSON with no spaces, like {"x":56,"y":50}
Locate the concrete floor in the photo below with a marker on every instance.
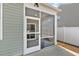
{"x":51,"y":51}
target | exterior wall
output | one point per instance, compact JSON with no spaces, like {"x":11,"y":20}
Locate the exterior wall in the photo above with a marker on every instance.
{"x":70,"y":23}
{"x":12,"y":43}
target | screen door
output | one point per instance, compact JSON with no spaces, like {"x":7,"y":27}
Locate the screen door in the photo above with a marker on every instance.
{"x":32,"y":32}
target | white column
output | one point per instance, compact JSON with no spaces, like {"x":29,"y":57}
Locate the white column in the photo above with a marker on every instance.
{"x":24,"y":32}
{"x":40,"y":31}
{"x":55,"y":28}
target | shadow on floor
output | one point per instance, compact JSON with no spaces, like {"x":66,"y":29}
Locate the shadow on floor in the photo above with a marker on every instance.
{"x":46,"y":42}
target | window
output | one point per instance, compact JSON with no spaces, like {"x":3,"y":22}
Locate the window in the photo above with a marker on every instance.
{"x":30,"y":36}
{"x":1,"y":21}
{"x":32,"y":13}
{"x":31,"y":29}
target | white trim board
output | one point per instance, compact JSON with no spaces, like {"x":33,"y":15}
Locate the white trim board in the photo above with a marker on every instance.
{"x":24,"y":31}
{"x":36,"y":48}
{"x":47,"y":37}
{"x":32,"y":32}
{"x":33,"y":18}
{"x":55,"y":29}
{"x":1,"y":22}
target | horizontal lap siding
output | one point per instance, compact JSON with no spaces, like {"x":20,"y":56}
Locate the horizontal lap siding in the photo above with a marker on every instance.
{"x":12,"y":43}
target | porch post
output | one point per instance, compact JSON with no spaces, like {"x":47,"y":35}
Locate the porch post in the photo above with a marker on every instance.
{"x":40,"y":31}
{"x":55,"y":29}
{"x":24,"y":31}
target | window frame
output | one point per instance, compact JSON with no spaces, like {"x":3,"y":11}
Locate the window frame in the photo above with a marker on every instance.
{"x":29,"y":33}
{"x":32,"y":24}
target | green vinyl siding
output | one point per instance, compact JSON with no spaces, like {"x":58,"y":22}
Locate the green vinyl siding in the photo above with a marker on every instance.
{"x":12,"y":43}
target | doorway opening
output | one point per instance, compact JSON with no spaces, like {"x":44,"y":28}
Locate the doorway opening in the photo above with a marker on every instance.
{"x":47,"y":30}
{"x":39,"y":30}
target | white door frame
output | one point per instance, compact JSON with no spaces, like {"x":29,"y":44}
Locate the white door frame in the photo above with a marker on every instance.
{"x":55,"y":20}
{"x":35,"y":48}
{"x":55,"y":26}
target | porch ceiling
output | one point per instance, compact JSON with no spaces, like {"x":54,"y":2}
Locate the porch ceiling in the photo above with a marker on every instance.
{"x":53,"y":7}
